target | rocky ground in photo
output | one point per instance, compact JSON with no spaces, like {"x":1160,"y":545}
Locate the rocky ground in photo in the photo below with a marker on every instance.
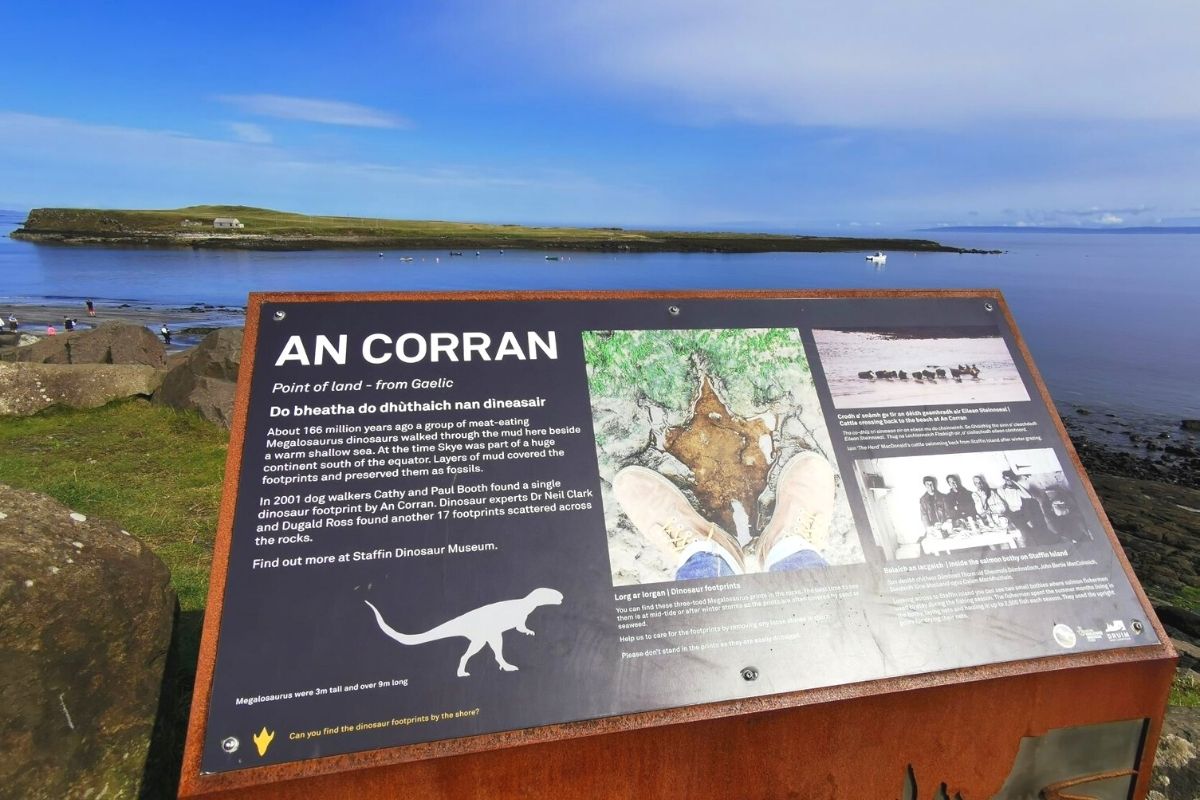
{"x":635,"y":432}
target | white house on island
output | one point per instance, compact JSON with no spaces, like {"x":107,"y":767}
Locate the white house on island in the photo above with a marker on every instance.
{"x":227,"y":222}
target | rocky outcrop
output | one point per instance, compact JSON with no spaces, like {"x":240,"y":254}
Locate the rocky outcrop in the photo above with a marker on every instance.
{"x":87,"y":613}
{"x":1177,"y":761}
{"x":206,"y":379}
{"x":1159,"y":526}
{"x":12,"y":339}
{"x":28,"y":388}
{"x":109,"y":343}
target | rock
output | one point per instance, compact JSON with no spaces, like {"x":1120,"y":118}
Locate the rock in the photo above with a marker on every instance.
{"x":205,"y":381}
{"x":1190,"y":425}
{"x":109,"y":343}
{"x":87,"y":613}
{"x":1177,"y":761}
{"x":1182,"y":619}
{"x":9,"y":339}
{"x":28,"y":388}
{"x":1159,"y":527}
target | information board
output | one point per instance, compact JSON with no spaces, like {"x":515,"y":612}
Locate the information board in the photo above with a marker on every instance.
{"x":458,"y":517}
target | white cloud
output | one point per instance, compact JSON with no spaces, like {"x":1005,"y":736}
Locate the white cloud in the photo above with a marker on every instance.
{"x":60,"y":161}
{"x":915,"y":64}
{"x":250,"y":132}
{"x":1110,"y":219}
{"x":326,"y":112}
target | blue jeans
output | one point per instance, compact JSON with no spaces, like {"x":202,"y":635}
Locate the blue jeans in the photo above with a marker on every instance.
{"x":711,"y":565}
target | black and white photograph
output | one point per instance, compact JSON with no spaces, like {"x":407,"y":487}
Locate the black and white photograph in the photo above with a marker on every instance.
{"x":968,"y":502}
{"x":921,"y":366}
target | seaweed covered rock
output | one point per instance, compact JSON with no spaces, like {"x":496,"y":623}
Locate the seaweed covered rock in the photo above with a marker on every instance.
{"x":87,"y":613}
{"x":205,"y":380}
{"x":109,"y":343}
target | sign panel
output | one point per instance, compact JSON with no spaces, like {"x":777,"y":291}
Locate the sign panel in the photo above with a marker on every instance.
{"x":455,"y":518}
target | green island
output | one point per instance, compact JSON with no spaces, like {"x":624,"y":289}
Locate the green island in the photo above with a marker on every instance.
{"x":247,"y":228}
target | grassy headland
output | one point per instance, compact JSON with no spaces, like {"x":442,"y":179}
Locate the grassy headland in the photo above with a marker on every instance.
{"x":280,"y":230}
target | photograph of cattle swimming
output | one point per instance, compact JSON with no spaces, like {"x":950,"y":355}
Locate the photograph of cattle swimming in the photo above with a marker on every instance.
{"x":919,"y":366}
{"x":930,"y":372}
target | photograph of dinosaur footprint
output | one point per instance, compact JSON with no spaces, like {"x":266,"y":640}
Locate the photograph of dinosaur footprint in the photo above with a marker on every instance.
{"x":481,"y":626}
{"x":714,"y":456}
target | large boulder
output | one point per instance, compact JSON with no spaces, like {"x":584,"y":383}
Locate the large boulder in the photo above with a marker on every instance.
{"x":87,"y":613}
{"x":28,"y":388}
{"x":109,"y":343}
{"x":205,"y":381}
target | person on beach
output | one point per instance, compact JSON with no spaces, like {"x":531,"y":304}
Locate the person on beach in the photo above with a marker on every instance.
{"x":12,"y":322}
{"x":91,"y":308}
{"x":68,"y":324}
{"x":166,"y":334}
{"x":50,"y":331}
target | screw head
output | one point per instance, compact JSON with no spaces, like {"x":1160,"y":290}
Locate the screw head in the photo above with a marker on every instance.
{"x":1137,"y":626}
{"x":229,"y":744}
{"x":749,"y":674}
{"x":279,"y":315}
{"x":673,"y":311}
{"x":988,"y":307}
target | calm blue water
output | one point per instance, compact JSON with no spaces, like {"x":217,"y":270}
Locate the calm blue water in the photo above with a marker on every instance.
{"x":1113,"y":320}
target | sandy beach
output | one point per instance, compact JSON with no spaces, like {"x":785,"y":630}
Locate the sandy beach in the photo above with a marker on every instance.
{"x":34,"y":318}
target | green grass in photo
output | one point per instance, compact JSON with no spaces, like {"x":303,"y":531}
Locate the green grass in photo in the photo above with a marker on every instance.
{"x":753,"y":367}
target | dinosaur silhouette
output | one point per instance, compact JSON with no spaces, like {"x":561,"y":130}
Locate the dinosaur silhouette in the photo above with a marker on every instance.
{"x":480,"y":626}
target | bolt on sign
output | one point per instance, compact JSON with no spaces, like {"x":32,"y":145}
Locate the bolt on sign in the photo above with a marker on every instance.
{"x":472,"y":541}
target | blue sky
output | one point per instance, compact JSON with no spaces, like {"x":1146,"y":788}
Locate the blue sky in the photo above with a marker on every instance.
{"x":773,"y":115}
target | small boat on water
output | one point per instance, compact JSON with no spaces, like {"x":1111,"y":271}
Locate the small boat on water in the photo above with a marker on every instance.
{"x":406,"y":258}
{"x":878,"y":258}
{"x":552,"y":258}
{"x":456,"y":252}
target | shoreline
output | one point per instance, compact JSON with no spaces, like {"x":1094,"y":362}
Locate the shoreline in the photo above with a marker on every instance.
{"x":34,"y":317}
{"x":663,"y":243}
{"x":188,"y":324}
{"x":1130,"y":442}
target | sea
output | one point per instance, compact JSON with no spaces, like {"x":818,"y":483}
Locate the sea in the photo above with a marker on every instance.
{"x":1112,"y":321}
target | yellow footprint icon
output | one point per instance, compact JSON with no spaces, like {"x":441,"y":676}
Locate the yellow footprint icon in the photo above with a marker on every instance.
{"x":263,"y":739}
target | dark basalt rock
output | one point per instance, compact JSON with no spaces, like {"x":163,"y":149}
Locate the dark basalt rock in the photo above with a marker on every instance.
{"x":206,"y":379}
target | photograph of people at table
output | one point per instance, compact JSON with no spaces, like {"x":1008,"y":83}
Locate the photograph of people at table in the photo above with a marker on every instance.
{"x":948,"y":504}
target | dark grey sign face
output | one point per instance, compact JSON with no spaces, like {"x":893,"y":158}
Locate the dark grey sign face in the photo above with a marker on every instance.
{"x":456,"y":518}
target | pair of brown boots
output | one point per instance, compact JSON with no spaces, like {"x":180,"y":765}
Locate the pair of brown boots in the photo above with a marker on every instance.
{"x":804,"y":499}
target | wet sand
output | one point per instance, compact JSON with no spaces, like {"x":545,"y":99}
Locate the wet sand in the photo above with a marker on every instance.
{"x":34,"y":318}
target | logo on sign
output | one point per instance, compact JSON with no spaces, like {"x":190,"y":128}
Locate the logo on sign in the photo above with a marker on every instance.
{"x":1064,"y":635}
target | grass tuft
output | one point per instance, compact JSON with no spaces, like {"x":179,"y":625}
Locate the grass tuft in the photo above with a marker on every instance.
{"x":155,"y":471}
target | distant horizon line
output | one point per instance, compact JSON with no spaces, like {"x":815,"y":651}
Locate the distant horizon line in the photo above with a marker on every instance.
{"x":1061,"y":229}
